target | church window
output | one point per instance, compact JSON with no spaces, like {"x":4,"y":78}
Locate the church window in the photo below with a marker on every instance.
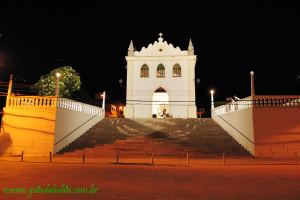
{"x":176,"y":70}
{"x":144,"y":71}
{"x":160,"y":71}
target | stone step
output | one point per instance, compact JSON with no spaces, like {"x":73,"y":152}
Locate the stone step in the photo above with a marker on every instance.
{"x":164,"y":136}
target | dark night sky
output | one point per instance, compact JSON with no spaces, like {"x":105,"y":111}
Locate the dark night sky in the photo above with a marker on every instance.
{"x":229,"y":40}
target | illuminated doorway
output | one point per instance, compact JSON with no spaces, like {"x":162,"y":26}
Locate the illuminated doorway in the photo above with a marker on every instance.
{"x":160,"y":104}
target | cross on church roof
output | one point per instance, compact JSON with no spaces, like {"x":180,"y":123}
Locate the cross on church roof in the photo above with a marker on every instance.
{"x":160,"y":39}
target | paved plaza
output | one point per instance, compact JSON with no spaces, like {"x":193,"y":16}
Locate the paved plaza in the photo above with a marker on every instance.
{"x":137,"y":181}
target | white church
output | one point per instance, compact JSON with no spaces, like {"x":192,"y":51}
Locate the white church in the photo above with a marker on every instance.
{"x":160,"y":81}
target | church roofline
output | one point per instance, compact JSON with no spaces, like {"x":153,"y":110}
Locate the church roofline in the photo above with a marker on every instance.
{"x":160,"y":48}
{"x":161,"y":58}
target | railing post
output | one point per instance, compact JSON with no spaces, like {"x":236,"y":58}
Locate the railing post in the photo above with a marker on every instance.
{"x":187,"y":159}
{"x":152,"y":159}
{"x":260,"y":158}
{"x":224,"y":161}
{"x":117,"y":161}
{"x":83,"y":157}
{"x":22,"y":156}
{"x":50,"y":157}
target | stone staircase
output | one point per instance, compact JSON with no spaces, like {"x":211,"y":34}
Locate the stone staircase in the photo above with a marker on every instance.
{"x":164,"y":137}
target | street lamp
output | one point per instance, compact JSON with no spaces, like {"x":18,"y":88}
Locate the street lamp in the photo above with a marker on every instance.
{"x":252,"y":84}
{"x":103,"y":95}
{"x":212,"y":98}
{"x":57,"y":75}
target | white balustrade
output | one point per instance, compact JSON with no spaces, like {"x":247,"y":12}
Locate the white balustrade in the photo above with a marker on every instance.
{"x":79,"y":107}
{"x":31,"y":101}
{"x":258,"y":101}
{"x":50,"y":101}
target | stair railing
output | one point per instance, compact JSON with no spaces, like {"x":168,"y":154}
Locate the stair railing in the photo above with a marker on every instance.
{"x":78,"y":107}
{"x":75,"y":129}
{"x":237,"y":130}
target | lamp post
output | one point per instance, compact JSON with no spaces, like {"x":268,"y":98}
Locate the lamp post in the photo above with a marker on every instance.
{"x":103,"y":95}
{"x":57,"y":75}
{"x":212,"y":99}
{"x":252,"y":85}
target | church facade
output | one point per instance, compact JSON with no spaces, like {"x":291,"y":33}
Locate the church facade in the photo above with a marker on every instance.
{"x":160,"y":81}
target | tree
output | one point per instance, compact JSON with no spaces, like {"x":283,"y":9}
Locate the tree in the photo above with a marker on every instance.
{"x":69,"y":82}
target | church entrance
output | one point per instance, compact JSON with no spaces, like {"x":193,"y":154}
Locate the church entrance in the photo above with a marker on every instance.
{"x":160,"y":103}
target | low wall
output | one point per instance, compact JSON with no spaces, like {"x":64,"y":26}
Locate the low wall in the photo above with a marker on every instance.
{"x":277,"y":131}
{"x":271,"y":123}
{"x":28,"y":125}
{"x":39,"y":125}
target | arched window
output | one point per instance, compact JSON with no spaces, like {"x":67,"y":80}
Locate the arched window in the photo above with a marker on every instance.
{"x":176,"y":70}
{"x":160,"y":71}
{"x":144,"y":71}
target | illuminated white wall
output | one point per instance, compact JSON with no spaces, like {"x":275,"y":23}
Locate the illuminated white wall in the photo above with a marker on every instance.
{"x":72,"y":120}
{"x":239,"y":125}
{"x":180,"y":90}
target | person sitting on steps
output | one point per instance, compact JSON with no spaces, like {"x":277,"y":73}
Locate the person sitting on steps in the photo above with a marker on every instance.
{"x":164,"y":114}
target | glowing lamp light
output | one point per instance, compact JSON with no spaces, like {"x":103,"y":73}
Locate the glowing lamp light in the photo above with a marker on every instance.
{"x":252,"y":73}
{"x":212,"y":91}
{"x":57,"y":74}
